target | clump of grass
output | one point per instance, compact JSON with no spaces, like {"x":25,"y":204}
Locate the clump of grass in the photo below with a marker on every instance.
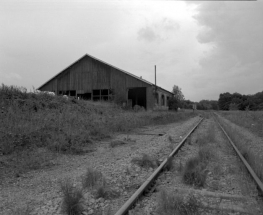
{"x":180,"y":167}
{"x":189,"y":140}
{"x":145,"y":161}
{"x":205,"y":154}
{"x":127,"y":171}
{"x":104,"y":191}
{"x":137,"y":211}
{"x":92,"y":178}
{"x":195,"y":172}
{"x":217,"y":171}
{"x":72,"y":199}
{"x":169,"y":165}
{"x":208,"y":137}
{"x":171,"y":204}
{"x":115,"y":143}
{"x":170,"y":139}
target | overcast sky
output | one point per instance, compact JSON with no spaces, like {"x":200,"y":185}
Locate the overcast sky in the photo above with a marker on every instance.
{"x":206,"y":48}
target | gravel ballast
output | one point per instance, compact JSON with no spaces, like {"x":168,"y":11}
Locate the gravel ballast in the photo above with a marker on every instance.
{"x":39,"y":191}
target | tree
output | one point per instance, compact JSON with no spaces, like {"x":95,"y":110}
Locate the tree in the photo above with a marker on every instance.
{"x":224,"y":101}
{"x":177,"y":100}
{"x":177,"y":91}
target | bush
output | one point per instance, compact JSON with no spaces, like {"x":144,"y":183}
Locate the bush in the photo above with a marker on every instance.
{"x":173,"y":104}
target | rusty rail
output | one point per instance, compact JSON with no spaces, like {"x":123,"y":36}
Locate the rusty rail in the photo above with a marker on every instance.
{"x":130,"y":202}
{"x":250,"y":170}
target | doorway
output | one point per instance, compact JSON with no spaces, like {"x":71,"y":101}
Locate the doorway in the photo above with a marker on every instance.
{"x":137,"y":96}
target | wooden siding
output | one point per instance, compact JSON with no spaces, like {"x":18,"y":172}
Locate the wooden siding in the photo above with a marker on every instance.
{"x":88,"y":74}
{"x":50,"y":86}
{"x":150,"y":97}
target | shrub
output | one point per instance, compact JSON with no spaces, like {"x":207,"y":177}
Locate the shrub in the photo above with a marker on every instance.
{"x":72,"y":199}
{"x":173,"y":104}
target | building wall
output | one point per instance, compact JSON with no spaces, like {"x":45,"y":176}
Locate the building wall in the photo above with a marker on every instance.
{"x":90,"y":74}
{"x":159,"y":105}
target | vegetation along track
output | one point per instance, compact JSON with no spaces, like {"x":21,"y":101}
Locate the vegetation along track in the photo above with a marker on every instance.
{"x":205,"y":177}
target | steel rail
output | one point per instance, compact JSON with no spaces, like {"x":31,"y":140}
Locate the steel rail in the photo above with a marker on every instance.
{"x":130,"y":202}
{"x":250,"y":170}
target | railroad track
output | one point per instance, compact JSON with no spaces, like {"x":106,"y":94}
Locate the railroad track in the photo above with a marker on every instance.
{"x":210,"y":201}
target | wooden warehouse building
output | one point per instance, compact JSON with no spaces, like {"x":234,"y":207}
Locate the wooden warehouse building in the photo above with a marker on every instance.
{"x":93,"y":79}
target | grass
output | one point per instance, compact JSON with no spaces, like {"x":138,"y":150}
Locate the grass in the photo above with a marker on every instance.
{"x":172,"y":204}
{"x":145,"y":161}
{"x":104,"y":191}
{"x":251,"y":120}
{"x":251,"y":150}
{"x":169,"y":165}
{"x":116,"y":143}
{"x":195,"y":170}
{"x":30,"y":121}
{"x":92,"y":178}
{"x":72,"y":199}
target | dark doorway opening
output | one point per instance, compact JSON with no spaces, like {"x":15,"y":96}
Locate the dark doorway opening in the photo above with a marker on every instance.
{"x":137,"y":96}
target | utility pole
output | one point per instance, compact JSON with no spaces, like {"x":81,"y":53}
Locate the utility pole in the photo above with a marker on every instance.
{"x":155,"y":84}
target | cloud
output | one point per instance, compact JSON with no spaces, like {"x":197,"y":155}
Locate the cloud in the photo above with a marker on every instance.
{"x":170,"y":25}
{"x":147,"y":34}
{"x":234,"y":33}
{"x":160,"y":30}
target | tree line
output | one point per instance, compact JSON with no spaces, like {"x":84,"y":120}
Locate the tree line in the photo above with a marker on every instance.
{"x":226,"y":101}
{"x":236,"y":101}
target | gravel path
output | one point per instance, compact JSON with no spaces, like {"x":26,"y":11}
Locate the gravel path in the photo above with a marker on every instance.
{"x":39,"y":191}
{"x":228,"y":189}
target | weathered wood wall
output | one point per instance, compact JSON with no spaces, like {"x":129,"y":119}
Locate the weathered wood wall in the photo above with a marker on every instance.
{"x":89,"y":74}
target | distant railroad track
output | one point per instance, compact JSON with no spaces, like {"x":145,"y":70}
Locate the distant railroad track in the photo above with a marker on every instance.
{"x":149,"y":183}
{"x":249,"y":168}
